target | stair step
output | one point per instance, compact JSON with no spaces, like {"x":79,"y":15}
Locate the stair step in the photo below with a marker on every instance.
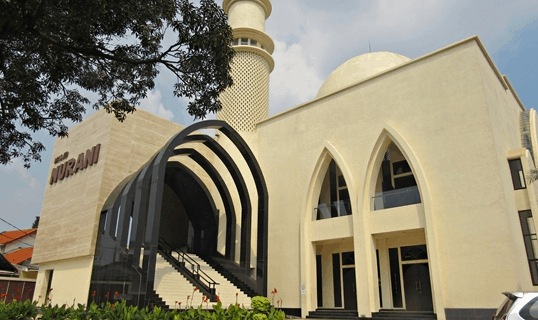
{"x":386,"y":317}
{"x":229,"y":276}
{"x":400,"y":318}
{"x":322,"y":310}
{"x":330,"y":317}
{"x":328,"y":313}
{"x":401,"y":314}
{"x":336,"y":313}
{"x":172,"y":286}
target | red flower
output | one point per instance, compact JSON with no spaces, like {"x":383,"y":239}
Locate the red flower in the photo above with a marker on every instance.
{"x":3,"y":295}
{"x":236,"y":294}
{"x":50,"y":289}
{"x":111,"y":306}
{"x":94,"y":293}
{"x":107,"y":295}
{"x":30,"y":290}
{"x":17,"y":297}
{"x":19,"y":290}
{"x":195,"y":289}
{"x":217,"y":299}
{"x":179,"y":303}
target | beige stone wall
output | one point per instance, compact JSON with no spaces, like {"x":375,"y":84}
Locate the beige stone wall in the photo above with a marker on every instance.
{"x":454,"y":121}
{"x":72,"y":206}
{"x":76,"y":201}
{"x":70,"y":281}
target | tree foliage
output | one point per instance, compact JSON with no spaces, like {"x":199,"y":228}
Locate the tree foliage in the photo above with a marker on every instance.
{"x":36,"y":223}
{"x":51,"y":48}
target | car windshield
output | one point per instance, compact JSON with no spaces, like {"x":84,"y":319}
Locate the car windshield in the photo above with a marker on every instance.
{"x":504,"y":308}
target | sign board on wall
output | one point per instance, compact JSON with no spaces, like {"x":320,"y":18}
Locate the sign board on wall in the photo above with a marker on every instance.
{"x":72,"y":166}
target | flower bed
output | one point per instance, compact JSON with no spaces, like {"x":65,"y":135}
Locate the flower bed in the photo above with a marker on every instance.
{"x":121,"y":311}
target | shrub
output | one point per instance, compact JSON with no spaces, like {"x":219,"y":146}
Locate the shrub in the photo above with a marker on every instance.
{"x":18,"y":310}
{"x":260,"y":304}
{"x":121,"y":311}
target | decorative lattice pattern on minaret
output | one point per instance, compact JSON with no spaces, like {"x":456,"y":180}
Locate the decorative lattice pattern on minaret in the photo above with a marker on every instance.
{"x":247,"y":101}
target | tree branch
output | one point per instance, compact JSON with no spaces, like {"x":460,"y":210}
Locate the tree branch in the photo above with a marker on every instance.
{"x":92,"y":51}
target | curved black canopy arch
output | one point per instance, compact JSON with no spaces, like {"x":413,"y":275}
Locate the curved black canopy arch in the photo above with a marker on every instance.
{"x":141,"y":199}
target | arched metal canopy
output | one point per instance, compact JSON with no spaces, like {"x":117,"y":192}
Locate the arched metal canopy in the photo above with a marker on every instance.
{"x":141,"y":199}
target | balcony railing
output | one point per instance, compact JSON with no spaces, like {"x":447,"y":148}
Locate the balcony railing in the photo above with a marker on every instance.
{"x":333,"y":210}
{"x":396,"y":198}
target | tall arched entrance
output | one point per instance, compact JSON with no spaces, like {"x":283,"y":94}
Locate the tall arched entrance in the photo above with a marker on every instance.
{"x":166,"y":208}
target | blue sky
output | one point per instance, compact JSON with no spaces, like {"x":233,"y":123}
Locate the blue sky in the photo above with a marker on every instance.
{"x":312,"y":38}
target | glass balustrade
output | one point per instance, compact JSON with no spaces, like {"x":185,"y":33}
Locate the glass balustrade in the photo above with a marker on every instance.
{"x":396,"y":198}
{"x":333,"y":210}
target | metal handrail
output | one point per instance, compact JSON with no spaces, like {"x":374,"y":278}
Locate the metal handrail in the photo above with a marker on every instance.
{"x":183,"y":257}
{"x":332,"y":210}
{"x":396,"y":198}
{"x":393,"y":192}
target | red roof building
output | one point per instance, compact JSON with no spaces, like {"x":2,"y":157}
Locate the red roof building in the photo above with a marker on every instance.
{"x":17,"y":247}
{"x":7,"y":237}
{"x":20,"y":256}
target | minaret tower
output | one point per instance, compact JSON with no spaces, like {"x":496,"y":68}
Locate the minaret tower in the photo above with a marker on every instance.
{"x":247,"y":101}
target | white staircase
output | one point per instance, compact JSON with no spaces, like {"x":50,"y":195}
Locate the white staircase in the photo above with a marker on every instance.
{"x":172,"y":286}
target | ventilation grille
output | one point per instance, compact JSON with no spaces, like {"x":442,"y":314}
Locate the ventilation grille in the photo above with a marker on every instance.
{"x":247,"y":101}
{"x":524,"y":123}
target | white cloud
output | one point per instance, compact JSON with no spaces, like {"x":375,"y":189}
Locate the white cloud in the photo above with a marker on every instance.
{"x":294,"y":80}
{"x":17,"y":168}
{"x":313,"y":37}
{"x":21,"y":195}
{"x":153,"y":104}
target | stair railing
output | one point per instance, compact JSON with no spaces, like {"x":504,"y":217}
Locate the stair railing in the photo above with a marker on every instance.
{"x":182,"y":258}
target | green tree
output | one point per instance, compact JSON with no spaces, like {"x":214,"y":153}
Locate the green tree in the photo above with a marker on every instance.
{"x":36,"y":223}
{"x":51,"y":48}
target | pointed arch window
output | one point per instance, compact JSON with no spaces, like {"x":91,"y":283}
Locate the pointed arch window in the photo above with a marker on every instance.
{"x":396,"y":185}
{"x":334,"y":196}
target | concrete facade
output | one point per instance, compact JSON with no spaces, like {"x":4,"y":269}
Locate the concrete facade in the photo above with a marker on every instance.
{"x":456,"y":136}
{"x":439,"y":129}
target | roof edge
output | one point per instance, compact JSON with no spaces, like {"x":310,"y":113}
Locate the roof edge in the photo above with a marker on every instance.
{"x":426,"y":56}
{"x":514,"y":93}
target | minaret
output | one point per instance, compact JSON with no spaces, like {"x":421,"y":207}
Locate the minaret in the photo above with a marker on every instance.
{"x":247,"y":101}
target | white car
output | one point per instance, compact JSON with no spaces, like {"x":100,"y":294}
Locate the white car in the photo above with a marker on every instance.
{"x":518,"y":306}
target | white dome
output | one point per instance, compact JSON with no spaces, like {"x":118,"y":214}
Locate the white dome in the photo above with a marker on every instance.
{"x":359,"y":68}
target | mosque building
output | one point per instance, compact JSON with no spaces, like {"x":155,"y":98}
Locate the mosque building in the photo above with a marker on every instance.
{"x":401,"y":188}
